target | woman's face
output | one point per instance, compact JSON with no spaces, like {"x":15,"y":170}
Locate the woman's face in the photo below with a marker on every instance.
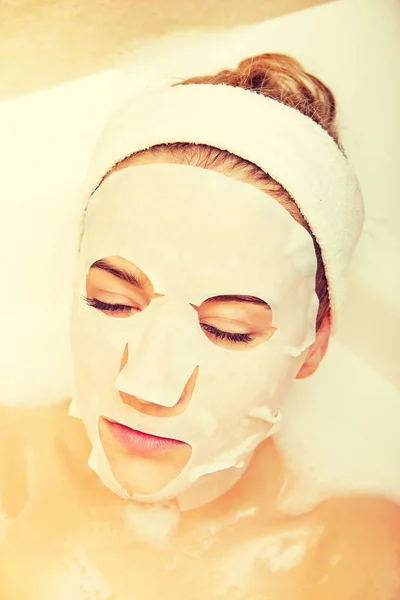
{"x":199,"y":308}
{"x":237,"y":324}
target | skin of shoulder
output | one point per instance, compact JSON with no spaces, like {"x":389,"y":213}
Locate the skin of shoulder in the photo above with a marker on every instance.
{"x":352,"y":551}
{"x":360,"y":556}
{"x":22,"y":429}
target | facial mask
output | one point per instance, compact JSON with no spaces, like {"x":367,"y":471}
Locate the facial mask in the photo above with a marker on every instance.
{"x":196,"y":234}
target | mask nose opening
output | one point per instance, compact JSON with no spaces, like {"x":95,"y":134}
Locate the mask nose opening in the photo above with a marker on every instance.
{"x":153,"y":405}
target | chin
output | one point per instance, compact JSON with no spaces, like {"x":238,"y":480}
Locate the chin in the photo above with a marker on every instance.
{"x":143,"y":475}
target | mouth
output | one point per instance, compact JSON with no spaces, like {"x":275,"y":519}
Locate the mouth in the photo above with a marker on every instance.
{"x":141,"y":443}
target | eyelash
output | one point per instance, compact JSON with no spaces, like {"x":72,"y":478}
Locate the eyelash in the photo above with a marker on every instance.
{"x":243,"y":338}
{"x":105,"y":306}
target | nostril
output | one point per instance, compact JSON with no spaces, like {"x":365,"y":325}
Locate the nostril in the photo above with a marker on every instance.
{"x":134,"y":401}
{"x":142,"y":401}
{"x":145,"y":407}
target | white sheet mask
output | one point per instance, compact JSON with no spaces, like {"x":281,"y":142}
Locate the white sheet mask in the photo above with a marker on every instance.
{"x":196,"y":234}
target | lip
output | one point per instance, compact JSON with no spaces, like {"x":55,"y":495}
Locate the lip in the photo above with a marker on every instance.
{"x":139,"y":442}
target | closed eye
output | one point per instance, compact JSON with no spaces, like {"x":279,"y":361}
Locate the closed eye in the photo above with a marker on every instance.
{"x":111,"y":308}
{"x":125,"y":310}
{"x":243,"y":338}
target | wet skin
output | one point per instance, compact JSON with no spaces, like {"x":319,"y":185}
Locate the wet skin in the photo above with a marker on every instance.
{"x":64,"y":535}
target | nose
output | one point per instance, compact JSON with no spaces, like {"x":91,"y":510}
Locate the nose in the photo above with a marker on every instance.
{"x":159,"y":355}
{"x":150,"y":408}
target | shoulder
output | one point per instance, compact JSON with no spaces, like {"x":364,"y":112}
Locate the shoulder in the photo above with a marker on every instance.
{"x":345,"y":548}
{"x":361,"y":550}
{"x":13,"y":463}
{"x":24,"y":431}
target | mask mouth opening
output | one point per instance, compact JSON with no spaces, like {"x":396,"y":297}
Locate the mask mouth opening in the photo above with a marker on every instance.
{"x":141,"y":463}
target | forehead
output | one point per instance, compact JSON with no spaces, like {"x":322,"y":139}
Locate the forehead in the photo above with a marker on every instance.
{"x":166,"y":216}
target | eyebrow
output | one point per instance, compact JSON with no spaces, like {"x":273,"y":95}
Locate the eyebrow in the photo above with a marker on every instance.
{"x":234,"y":298}
{"x":105,"y":265}
{"x":125,"y":275}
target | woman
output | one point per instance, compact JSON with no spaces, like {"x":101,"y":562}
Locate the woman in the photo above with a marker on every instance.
{"x":217,"y":227}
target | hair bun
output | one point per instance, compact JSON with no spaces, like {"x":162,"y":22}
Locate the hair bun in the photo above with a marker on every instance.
{"x":281,"y":78}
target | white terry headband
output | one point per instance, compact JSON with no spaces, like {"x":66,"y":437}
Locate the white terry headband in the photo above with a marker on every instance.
{"x":293,"y":149}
